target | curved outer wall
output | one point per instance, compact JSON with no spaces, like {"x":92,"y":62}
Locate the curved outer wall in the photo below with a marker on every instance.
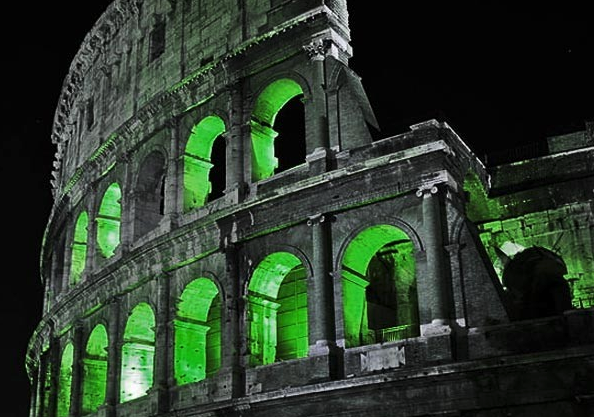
{"x":142,"y":264}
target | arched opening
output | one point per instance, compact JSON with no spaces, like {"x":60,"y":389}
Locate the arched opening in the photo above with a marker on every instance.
{"x":94,"y":380}
{"x":79,"y":248}
{"x":269,"y":104}
{"x":197,"y":353}
{"x":109,"y":221}
{"x":199,"y":184}
{"x":535,"y":284}
{"x":149,"y":194}
{"x":379,"y":288}
{"x":138,"y":353}
{"x":65,"y":381}
{"x":277,"y":297}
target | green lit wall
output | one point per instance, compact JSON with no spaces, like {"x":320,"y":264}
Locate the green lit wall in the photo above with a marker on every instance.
{"x":277,"y":310}
{"x":562,"y":230}
{"x":197,"y":347}
{"x":138,"y":352}
{"x":379,"y":287}
{"x":79,"y":248}
{"x":269,"y":103}
{"x":65,"y":381}
{"x":109,"y":221}
{"x":197,"y":161}
{"x":94,"y":380}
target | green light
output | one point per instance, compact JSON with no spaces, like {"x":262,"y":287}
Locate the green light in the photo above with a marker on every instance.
{"x":197,"y":332}
{"x":269,"y":103}
{"x":94,"y":381}
{"x":108,"y":221}
{"x":278,"y":328}
{"x":65,"y":381}
{"x":479,"y":206}
{"x":197,"y":161}
{"x":79,"y":248}
{"x":138,"y":353}
{"x":379,"y":287}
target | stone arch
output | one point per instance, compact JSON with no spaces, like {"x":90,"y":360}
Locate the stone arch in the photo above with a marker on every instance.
{"x":94,"y":379}
{"x":109,"y":218}
{"x":378,"y":277}
{"x":268,"y":104}
{"x":138,"y":353}
{"x":197,"y":331}
{"x":198,"y":162}
{"x":535,"y":284}
{"x":79,"y":247}
{"x":64,"y":391}
{"x":277,"y":309}
{"x":149,"y":193}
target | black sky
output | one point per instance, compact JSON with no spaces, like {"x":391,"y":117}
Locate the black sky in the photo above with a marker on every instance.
{"x":500,"y":76}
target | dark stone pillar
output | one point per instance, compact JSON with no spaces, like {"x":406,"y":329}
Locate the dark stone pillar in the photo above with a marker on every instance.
{"x":322,"y":332}
{"x":234,"y":138}
{"x":163,"y":337}
{"x":232,"y":343}
{"x":77,"y":371}
{"x":319,"y":145}
{"x":114,"y":358}
{"x":435,"y":272}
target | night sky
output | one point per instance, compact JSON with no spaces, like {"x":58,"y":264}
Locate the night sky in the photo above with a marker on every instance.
{"x":499,"y":76}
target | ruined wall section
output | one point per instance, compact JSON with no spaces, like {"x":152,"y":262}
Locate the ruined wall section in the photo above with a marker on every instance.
{"x":546,"y":202}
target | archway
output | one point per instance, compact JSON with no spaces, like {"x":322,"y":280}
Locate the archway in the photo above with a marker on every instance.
{"x":138,"y":353}
{"x":197,"y":352}
{"x":149,"y":194}
{"x":267,"y":107}
{"x":109,"y":220}
{"x":94,"y":370}
{"x":198,"y":163}
{"x":79,"y":248}
{"x":277,"y":297}
{"x":380,"y":301}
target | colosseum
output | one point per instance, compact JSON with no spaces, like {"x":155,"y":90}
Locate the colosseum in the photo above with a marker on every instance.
{"x":204,"y":259}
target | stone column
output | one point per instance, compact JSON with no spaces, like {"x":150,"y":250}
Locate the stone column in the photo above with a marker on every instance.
{"x":173,"y":182}
{"x":436,"y":273}
{"x":232,"y":343}
{"x":320,"y":141}
{"x":92,"y":246}
{"x":163,"y":337}
{"x":322,"y":332}
{"x":77,"y":371}
{"x":234,"y":139}
{"x":114,"y":358}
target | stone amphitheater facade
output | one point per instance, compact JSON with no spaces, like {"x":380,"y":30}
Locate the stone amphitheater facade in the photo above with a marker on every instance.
{"x":190,"y":270}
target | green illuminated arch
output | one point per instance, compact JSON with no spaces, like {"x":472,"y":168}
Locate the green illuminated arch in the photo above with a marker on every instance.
{"x":65,"y":381}
{"x":138,"y":353}
{"x":109,"y":220}
{"x":197,"y":334}
{"x":94,"y":382}
{"x":197,"y":161}
{"x":79,"y":248}
{"x":379,"y":287}
{"x":274,"y":97}
{"x":277,"y":297}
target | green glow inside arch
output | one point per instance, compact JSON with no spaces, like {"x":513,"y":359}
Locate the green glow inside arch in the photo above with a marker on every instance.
{"x":269,"y":103}
{"x":94,"y":381}
{"x":277,"y":297}
{"x":79,"y":248}
{"x":197,"y":161}
{"x":138,"y":353}
{"x":109,"y":220}
{"x":379,"y":287}
{"x":65,"y":381}
{"x":197,"y":353}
